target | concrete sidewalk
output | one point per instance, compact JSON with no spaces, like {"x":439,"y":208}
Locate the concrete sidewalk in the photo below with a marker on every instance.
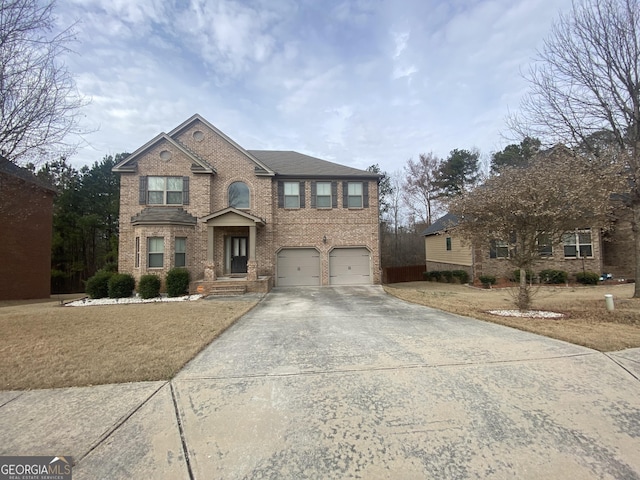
{"x":350,"y":382}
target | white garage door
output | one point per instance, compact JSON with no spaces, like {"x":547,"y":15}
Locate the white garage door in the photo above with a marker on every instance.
{"x":298,"y":266}
{"x":349,"y":266}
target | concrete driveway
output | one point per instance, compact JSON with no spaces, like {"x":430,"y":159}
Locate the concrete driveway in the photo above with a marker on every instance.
{"x":349,"y":382}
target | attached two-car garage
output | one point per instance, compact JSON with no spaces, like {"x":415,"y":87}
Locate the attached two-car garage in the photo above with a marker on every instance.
{"x":303,"y":267}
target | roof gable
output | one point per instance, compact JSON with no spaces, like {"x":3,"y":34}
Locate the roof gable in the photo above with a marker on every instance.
{"x":9,"y":168}
{"x":130,"y":164}
{"x":232,"y":212}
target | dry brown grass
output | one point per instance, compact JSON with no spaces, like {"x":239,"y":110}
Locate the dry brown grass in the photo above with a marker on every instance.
{"x":45,"y":345}
{"x":587,"y":323}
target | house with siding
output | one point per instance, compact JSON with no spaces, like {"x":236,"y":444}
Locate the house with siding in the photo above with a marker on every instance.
{"x":580,"y":250}
{"x":194,"y":198}
{"x":26,"y":216}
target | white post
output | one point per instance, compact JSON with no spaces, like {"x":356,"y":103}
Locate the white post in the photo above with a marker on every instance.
{"x":608,"y":300}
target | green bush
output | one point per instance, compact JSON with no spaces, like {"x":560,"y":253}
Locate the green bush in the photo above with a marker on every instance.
{"x":433,"y":276}
{"x":98,"y":285}
{"x":461,"y":275}
{"x":149,"y":286}
{"x":447,"y":276}
{"x":554,"y":277}
{"x":515,"y":276}
{"x":587,"y":278}
{"x":487,"y":279}
{"x":177,"y":282}
{"x":121,"y":285}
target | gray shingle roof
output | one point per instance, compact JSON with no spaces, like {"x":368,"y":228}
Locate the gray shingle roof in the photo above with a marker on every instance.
{"x":163,"y":216}
{"x":14,"y":170}
{"x":441,"y":225}
{"x":294,"y":164}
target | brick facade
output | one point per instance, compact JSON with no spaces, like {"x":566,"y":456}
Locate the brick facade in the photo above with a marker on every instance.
{"x":26,"y":219}
{"x":198,"y":141}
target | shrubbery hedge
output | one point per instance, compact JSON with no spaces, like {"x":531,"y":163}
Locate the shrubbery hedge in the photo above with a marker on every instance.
{"x":98,"y":285}
{"x":554,"y":277}
{"x":121,"y":285}
{"x":177,"y":282}
{"x":149,"y":286}
{"x":587,"y":278}
{"x":487,"y":279}
{"x":448,"y":276}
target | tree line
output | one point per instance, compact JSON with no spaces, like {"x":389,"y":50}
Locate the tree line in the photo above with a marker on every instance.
{"x":85,"y":220}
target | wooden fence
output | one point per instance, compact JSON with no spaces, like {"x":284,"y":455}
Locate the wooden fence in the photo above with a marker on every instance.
{"x":411,"y":273}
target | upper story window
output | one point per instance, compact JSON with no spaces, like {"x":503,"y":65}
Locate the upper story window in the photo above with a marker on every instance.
{"x":578,"y":244}
{"x":164,"y":190}
{"x":291,"y":195}
{"x":239,"y":195}
{"x":355,"y":195}
{"x":323,"y":195}
{"x":448,"y":243}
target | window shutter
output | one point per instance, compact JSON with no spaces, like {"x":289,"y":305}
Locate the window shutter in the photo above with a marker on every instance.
{"x":143,"y":190}
{"x":365,"y":194}
{"x":334,"y":194}
{"x":345,"y":194}
{"x":314,"y":192}
{"x":492,"y":249}
{"x":302,"y":194}
{"x":185,"y":190}
{"x":280,"y":195}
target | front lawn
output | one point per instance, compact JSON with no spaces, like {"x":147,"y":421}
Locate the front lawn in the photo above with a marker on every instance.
{"x":45,"y":345}
{"x":587,"y":321}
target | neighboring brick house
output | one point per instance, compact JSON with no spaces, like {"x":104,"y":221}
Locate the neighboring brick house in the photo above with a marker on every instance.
{"x":194,"y":198}
{"x":26,"y":219}
{"x":580,"y":251}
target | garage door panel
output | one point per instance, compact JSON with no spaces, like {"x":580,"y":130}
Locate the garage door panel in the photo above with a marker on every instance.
{"x":298,"y":267}
{"x":350,"y":266}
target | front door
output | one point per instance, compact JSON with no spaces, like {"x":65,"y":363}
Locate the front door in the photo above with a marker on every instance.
{"x":239,"y":254}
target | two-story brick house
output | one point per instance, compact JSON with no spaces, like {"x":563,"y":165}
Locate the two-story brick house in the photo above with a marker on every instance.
{"x":194,"y":198}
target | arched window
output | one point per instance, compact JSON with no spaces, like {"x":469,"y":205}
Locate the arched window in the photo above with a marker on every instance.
{"x":238,"y":195}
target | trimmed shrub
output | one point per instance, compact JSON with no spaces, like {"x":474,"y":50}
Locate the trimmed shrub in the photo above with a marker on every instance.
{"x":553,"y":277}
{"x":121,"y":285}
{"x":98,"y":285}
{"x":587,"y":278}
{"x":515,"y":276}
{"x":447,"y":276}
{"x":177,"y":282}
{"x":433,"y":276}
{"x":149,"y":286}
{"x":487,"y":280}
{"x":461,"y":275}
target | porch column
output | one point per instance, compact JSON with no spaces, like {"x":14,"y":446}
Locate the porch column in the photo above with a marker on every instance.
{"x":252,"y":264}
{"x":209,"y":265}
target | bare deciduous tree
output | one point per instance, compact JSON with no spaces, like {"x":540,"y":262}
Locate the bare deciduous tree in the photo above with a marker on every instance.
{"x":39,"y":102}
{"x":587,"y":81}
{"x":420,"y":188}
{"x":528,"y":207}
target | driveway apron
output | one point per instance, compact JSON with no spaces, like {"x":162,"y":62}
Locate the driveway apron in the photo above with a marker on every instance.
{"x":349,"y":382}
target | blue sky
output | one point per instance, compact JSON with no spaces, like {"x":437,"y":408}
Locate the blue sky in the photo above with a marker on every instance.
{"x":356,"y":82}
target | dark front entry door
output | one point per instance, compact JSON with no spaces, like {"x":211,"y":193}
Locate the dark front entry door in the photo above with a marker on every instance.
{"x":239,"y":254}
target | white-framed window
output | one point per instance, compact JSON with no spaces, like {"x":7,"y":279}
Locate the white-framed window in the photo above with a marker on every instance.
{"x":164,"y":190}
{"x":323,"y":195}
{"x":545,"y":245}
{"x":291,"y":194}
{"x":578,"y":244}
{"x":180,"y":254}
{"x":355,"y":194}
{"x":499,"y":249}
{"x":239,"y":195}
{"x":137,"y":252}
{"x":155,"y":252}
